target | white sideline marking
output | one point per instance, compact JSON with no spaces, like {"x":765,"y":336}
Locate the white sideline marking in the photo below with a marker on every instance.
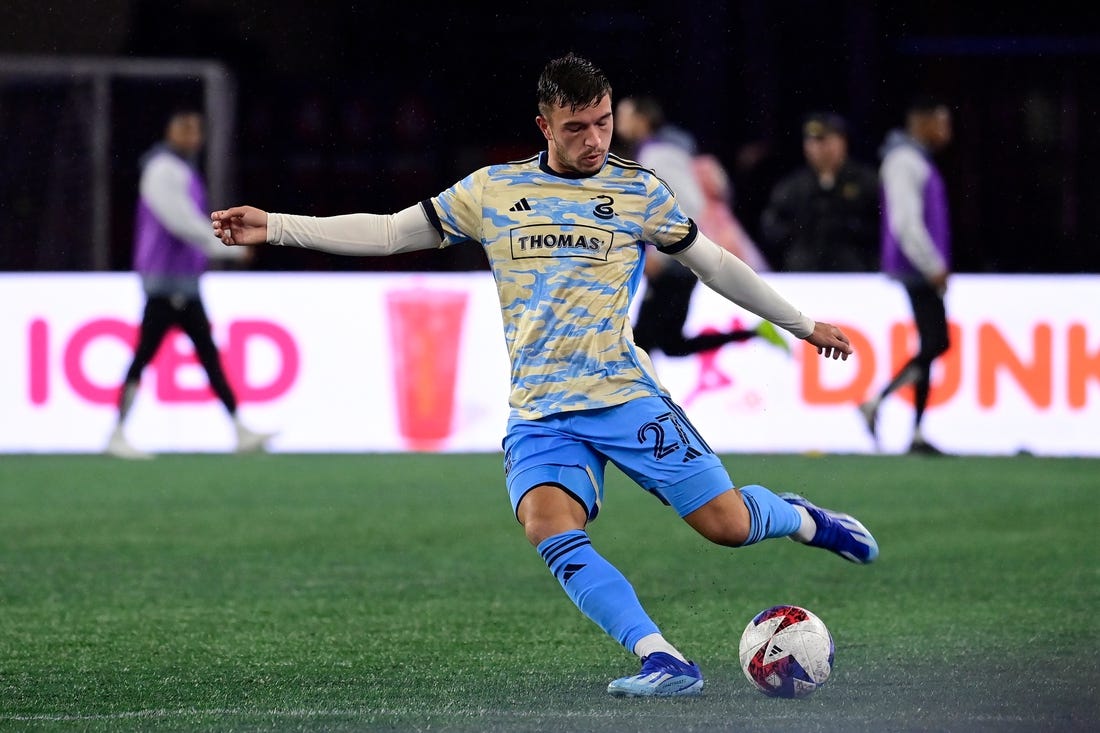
{"x":363,"y":712}
{"x":616,"y":712}
{"x":131,"y":714}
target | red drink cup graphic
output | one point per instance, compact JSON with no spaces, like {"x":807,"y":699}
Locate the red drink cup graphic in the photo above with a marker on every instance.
{"x":425,"y":332}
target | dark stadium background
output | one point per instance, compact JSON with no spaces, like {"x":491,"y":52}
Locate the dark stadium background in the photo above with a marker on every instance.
{"x":373,"y":106}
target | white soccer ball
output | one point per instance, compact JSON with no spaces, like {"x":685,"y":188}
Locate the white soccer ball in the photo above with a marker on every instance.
{"x":786,"y":651}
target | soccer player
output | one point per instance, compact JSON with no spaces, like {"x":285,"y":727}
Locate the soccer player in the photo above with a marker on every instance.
{"x":565,"y":232}
{"x":172,"y":248}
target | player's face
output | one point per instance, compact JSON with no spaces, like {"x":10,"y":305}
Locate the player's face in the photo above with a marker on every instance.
{"x":578,"y":139}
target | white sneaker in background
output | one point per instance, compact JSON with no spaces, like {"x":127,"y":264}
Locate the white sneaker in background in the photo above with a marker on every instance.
{"x":250,"y":441}
{"x":869,"y":411}
{"x":119,"y":447}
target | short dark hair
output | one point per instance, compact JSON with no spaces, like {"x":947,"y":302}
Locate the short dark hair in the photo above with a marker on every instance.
{"x":571,"y":81}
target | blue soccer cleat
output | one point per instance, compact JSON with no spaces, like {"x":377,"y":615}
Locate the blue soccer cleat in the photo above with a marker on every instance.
{"x":840,"y":533}
{"x":662,"y":675}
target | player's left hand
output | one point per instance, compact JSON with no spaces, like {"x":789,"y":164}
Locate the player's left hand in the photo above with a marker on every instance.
{"x":830,"y":341}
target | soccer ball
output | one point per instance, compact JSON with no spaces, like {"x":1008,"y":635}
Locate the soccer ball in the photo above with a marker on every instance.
{"x":786,"y":651}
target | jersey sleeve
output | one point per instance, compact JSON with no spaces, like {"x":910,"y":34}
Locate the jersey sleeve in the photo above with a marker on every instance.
{"x":457,"y":212}
{"x":674,"y":166}
{"x":666,"y":224}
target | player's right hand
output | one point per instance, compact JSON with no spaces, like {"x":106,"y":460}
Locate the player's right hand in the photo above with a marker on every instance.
{"x":240,"y":225}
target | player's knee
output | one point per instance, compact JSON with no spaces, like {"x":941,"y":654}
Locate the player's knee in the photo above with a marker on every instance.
{"x":537,"y":531}
{"x":540,"y":528}
{"x":547,"y":511}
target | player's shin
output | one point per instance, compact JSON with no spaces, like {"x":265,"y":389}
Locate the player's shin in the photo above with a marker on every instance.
{"x":597,"y":588}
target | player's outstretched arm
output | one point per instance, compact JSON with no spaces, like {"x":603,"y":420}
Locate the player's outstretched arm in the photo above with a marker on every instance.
{"x":349,"y":234}
{"x":240,"y":225}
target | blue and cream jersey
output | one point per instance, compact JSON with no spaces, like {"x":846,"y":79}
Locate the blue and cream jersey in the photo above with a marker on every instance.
{"x":566,"y":253}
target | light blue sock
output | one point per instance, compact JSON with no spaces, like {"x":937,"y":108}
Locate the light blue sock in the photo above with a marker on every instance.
{"x":600,"y":591}
{"x":769,"y":515}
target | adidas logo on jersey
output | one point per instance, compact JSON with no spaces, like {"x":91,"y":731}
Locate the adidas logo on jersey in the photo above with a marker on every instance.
{"x":521,"y":205}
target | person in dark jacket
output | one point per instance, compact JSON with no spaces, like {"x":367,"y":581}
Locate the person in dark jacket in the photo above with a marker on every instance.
{"x":824,"y":217}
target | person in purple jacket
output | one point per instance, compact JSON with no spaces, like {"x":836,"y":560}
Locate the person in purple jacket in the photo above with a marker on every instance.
{"x":916,"y":248}
{"x":172,"y":248}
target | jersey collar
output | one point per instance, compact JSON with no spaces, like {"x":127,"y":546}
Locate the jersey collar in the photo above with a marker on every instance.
{"x":544,"y":165}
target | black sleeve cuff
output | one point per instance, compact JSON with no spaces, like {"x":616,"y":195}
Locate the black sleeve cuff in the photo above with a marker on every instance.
{"x":429,"y":211}
{"x":687,"y":241}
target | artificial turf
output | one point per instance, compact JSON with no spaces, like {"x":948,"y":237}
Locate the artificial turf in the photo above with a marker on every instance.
{"x":397,"y":592}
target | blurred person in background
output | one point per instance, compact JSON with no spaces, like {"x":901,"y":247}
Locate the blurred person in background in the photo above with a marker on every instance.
{"x":824,"y":217}
{"x":671,"y":153}
{"x":173,"y":245}
{"x":716,"y":218}
{"x":916,"y":248}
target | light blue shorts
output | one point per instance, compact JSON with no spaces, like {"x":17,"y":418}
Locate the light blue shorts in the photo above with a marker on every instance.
{"x":650,"y":439}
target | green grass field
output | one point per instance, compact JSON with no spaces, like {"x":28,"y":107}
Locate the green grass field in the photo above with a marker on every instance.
{"x":363,"y":592}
